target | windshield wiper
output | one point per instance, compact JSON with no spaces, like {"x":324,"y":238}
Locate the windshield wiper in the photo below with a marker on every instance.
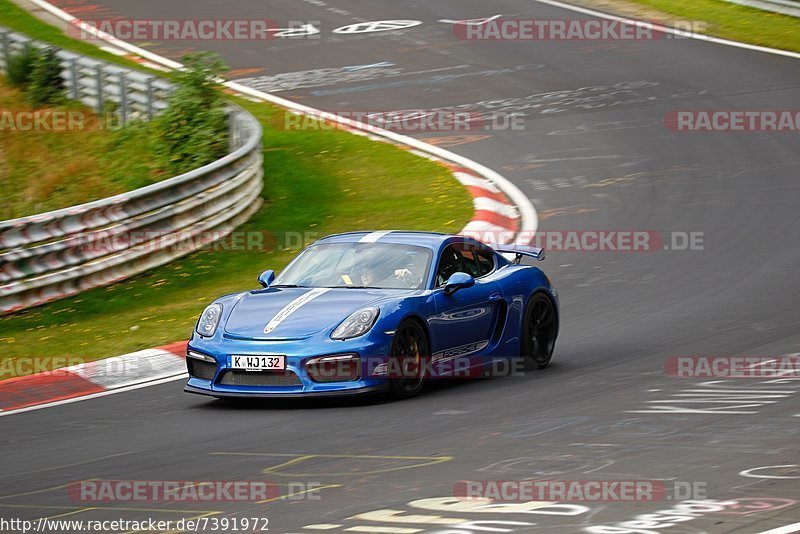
{"x":286,"y":285}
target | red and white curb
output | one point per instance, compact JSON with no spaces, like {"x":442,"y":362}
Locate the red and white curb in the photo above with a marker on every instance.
{"x":93,"y":379}
{"x":496,"y":218}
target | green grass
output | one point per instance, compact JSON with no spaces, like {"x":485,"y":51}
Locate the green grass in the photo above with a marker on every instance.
{"x":46,"y":170}
{"x":735,"y":22}
{"x":315,"y":182}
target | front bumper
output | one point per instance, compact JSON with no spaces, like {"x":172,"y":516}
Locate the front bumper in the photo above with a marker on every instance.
{"x":216,"y":377}
{"x":266,"y":395}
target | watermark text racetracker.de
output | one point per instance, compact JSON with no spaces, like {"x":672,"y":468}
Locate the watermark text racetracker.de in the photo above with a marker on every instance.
{"x":733,"y":120}
{"x":129,"y":491}
{"x":404,"y":120}
{"x":193,"y":29}
{"x":598,"y":240}
{"x":106,"y":242}
{"x":578,"y":490}
{"x":504,"y":29}
{"x":50,"y":120}
{"x":733,"y":366}
{"x":11,"y":367}
{"x":109,"y":241}
{"x":65,"y":366}
{"x":457,"y":362}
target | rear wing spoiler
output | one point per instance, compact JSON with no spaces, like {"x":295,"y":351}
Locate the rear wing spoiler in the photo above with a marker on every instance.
{"x":520,"y":251}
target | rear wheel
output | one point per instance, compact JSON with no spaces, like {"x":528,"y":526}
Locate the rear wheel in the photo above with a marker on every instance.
{"x":408,"y":360}
{"x":539,"y":330}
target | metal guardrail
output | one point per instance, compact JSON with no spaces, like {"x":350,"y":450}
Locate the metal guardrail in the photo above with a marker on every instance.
{"x":97,"y":83}
{"x":60,"y":253}
{"x":784,"y":7}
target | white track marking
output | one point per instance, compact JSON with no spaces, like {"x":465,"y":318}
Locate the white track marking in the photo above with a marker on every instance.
{"x":300,"y":31}
{"x":788,"y":529}
{"x":183,"y":376}
{"x":470,"y":180}
{"x":382,"y":64}
{"x":373,"y":529}
{"x":490,"y":204}
{"x":672,"y":31}
{"x":470,"y":22}
{"x":113,"y":50}
{"x":377,"y":26}
{"x":749,"y":472}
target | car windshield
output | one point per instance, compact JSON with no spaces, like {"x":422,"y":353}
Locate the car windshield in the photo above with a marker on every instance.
{"x":359,"y":265}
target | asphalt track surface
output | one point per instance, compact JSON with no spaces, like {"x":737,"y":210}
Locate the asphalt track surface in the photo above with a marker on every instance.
{"x":612,"y":165}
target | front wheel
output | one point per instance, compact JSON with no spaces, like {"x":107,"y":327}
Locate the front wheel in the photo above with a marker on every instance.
{"x":408,"y":360}
{"x":539,"y":330}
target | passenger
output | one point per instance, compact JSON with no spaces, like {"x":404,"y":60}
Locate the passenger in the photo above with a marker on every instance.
{"x":368,"y":278}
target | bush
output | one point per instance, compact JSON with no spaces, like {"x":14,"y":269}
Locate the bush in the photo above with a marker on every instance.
{"x":46,"y":85}
{"x":193,"y":130}
{"x":20,"y":67}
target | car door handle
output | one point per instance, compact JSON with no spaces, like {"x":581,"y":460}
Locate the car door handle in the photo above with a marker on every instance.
{"x":495,"y":297}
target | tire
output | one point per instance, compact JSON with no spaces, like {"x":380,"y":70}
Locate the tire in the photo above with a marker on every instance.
{"x":539,"y":332}
{"x":408,"y":360}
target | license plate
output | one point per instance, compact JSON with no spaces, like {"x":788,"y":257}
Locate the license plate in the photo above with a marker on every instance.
{"x":258,"y":363}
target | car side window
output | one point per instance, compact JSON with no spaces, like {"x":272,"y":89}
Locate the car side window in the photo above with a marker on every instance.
{"x":466,"y":258}
{"x":450,"y":262}
{"x":470,"y":264}
{"x":478,"y":261}
{"x":485,"y":259}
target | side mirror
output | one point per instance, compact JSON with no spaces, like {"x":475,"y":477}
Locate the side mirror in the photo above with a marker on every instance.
{"x":458,"y":281}
{"x":266,"y":278}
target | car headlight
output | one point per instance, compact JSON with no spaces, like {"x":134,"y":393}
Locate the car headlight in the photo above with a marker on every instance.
{"x":207,"y":324}
{"x":357,"y":324}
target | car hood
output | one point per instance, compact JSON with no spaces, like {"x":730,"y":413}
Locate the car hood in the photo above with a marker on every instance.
{"x":296,"y":313}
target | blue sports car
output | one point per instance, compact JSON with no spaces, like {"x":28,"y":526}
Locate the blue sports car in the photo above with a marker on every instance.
{"x":376,"y":311}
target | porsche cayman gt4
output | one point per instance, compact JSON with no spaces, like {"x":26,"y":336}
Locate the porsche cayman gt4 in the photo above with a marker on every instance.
{"x":376,"y":311}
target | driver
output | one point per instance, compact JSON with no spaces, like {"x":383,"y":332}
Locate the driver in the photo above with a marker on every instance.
{"x":413,"y":275}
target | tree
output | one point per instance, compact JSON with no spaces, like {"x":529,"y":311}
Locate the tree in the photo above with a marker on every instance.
{"x":193,"y":130}
{"x":46,"y":85}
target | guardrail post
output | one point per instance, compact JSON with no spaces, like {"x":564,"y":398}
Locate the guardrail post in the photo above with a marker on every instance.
{"x":123,"y":89}
{"x":73,"y":72}
{"x":6,"y":51}
{"x":233,"y":137}
{"x":149,"y":98}
{"x":99,"y":76}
